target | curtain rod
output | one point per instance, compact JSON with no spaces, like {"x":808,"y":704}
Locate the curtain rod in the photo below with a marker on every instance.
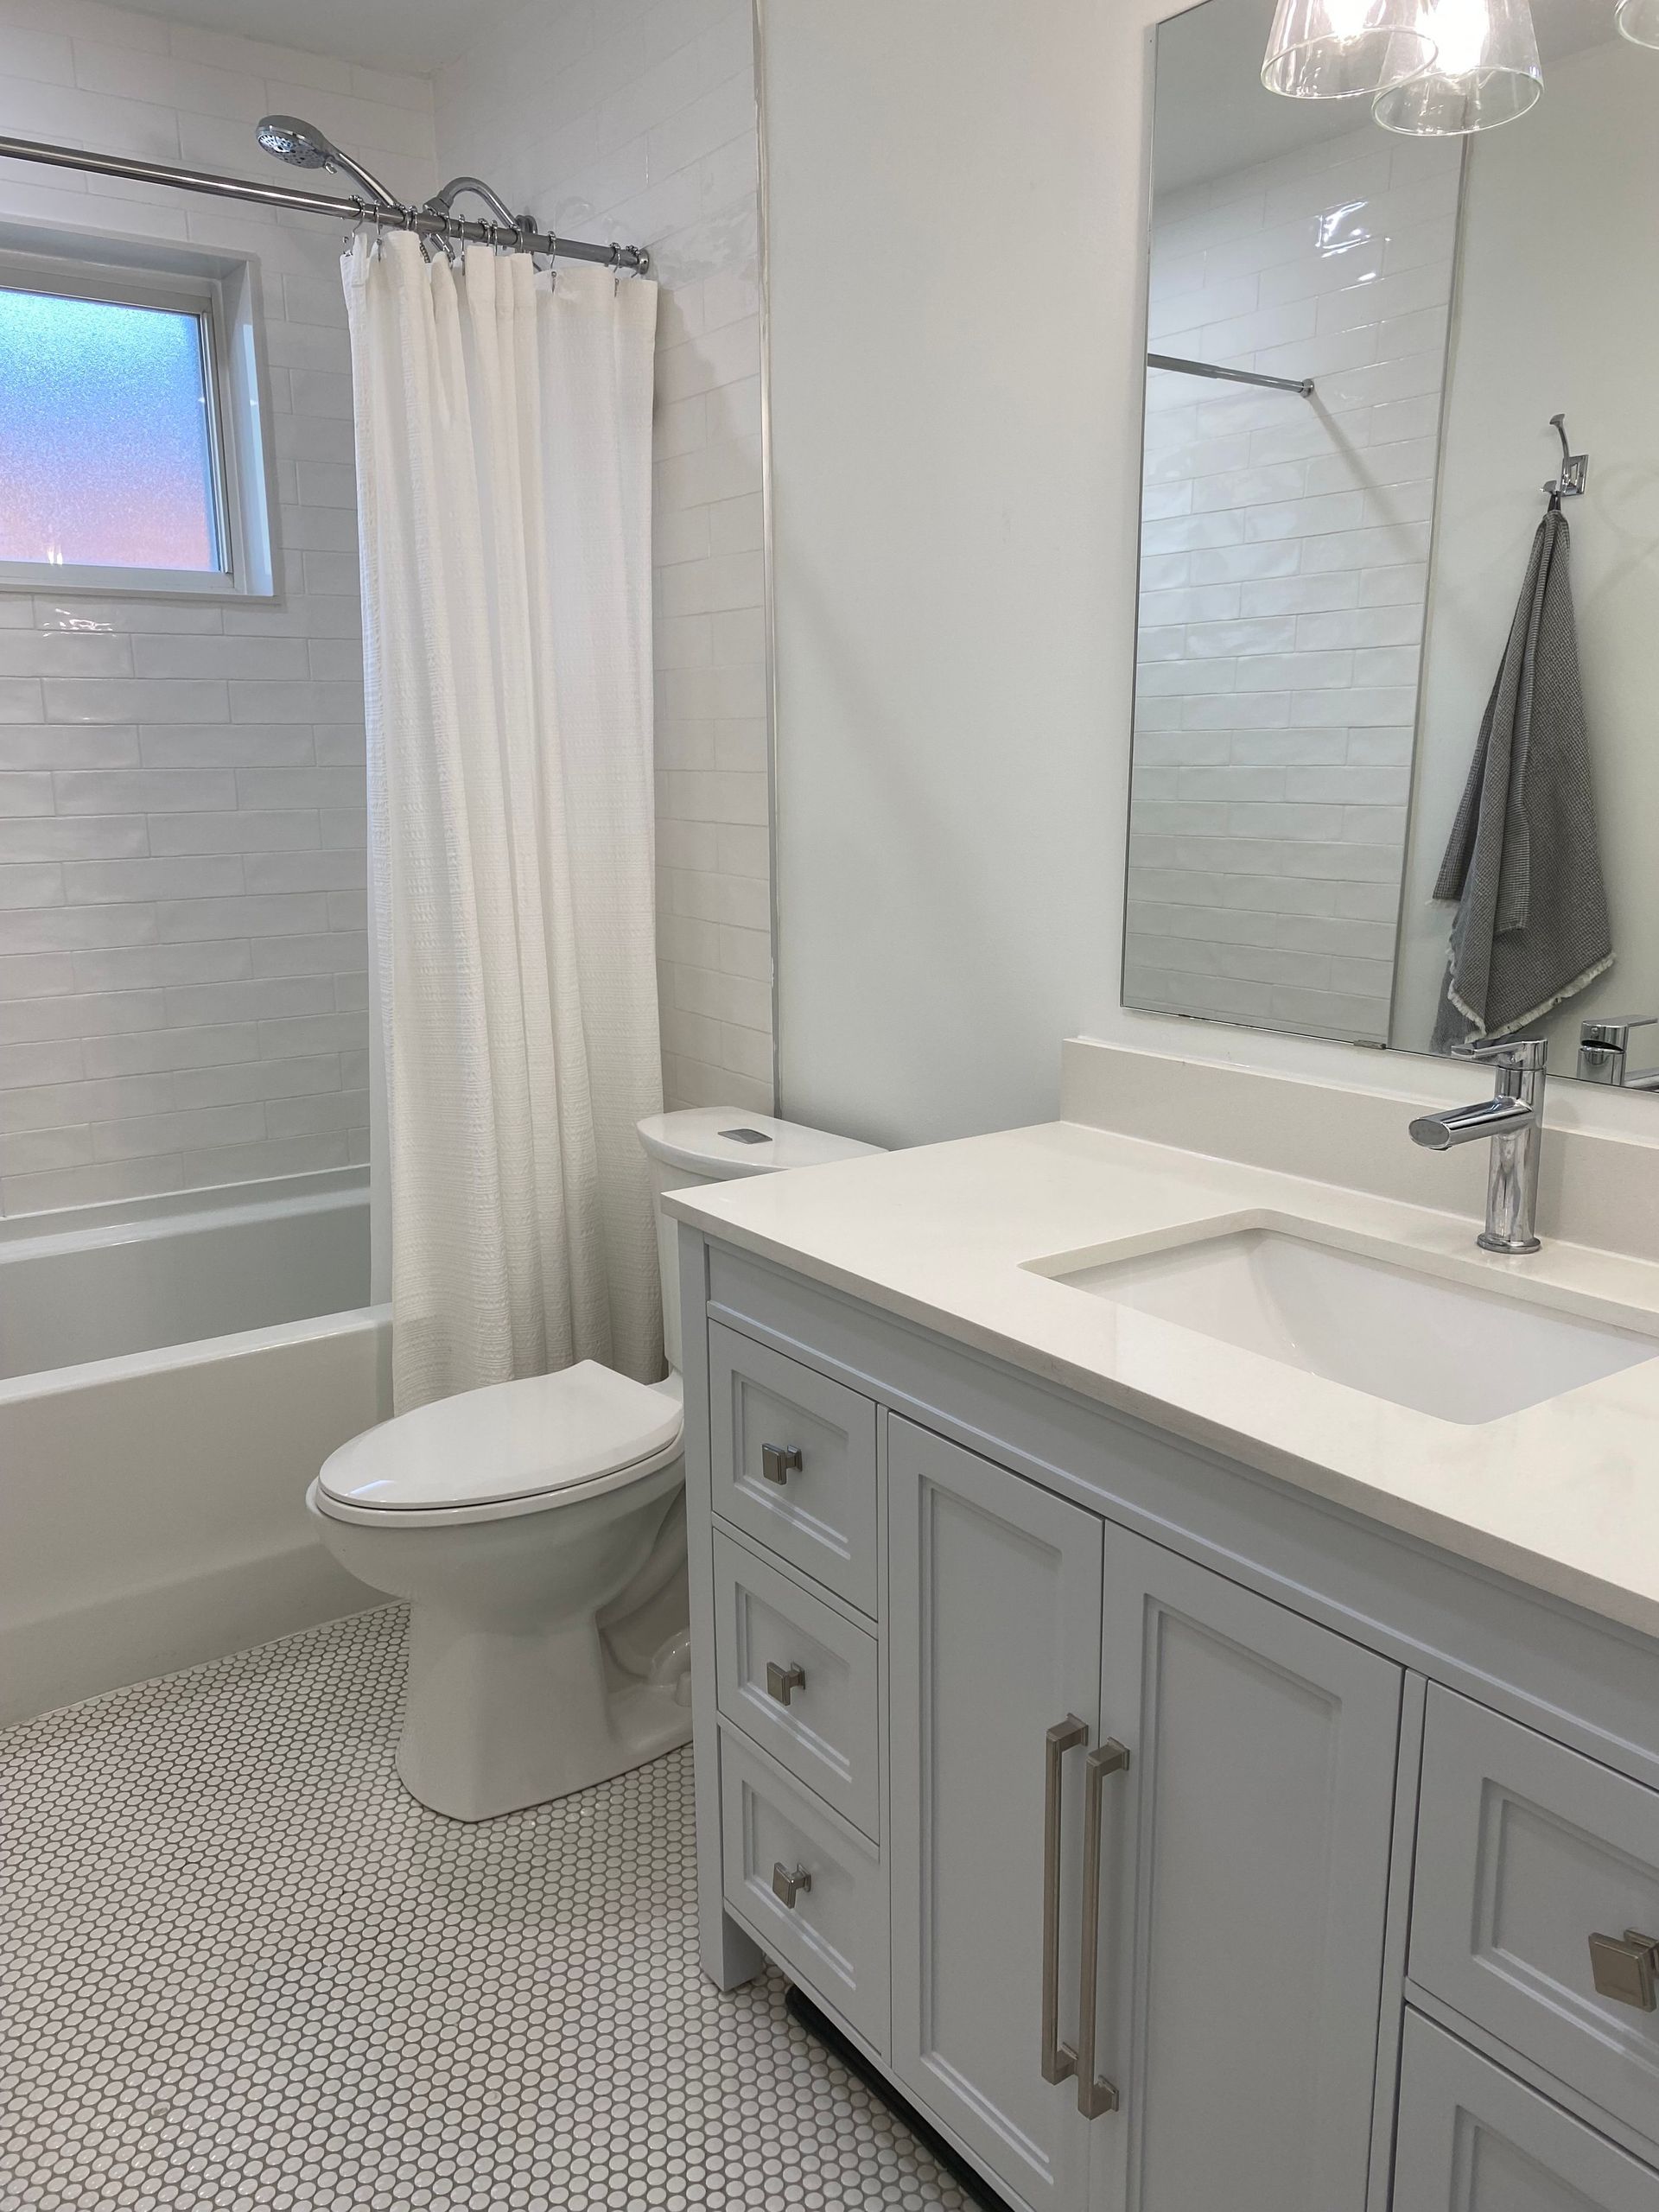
{"x":422,"y":221}
{"x":1303,"y":385}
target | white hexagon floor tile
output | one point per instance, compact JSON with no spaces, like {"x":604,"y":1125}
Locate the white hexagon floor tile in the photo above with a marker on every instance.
{"x":240,"y":1967}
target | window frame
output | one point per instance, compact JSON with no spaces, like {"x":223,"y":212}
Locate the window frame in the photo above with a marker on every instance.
{"x":221,"y":293}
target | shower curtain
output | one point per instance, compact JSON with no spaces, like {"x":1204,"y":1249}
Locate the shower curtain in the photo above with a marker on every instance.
{"x":503,"y":475}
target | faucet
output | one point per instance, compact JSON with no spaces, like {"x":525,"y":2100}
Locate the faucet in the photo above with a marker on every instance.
{"x":1514,"y":1119}
{"x":1604,"y":1052}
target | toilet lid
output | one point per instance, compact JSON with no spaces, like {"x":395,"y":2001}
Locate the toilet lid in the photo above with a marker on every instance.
{"x":545,"y":1433}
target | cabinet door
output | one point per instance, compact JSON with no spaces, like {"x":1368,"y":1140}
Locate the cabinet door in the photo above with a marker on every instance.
{"x":1472,"y":2139}
{"x":994,"y":1637}
{"x":1253,"y":1836}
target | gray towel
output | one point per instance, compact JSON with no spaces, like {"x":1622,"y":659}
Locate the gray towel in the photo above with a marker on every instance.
{"x":1523,"y":861}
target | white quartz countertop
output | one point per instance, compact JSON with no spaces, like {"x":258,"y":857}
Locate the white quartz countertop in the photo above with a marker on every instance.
{"x":1563,"y":1495}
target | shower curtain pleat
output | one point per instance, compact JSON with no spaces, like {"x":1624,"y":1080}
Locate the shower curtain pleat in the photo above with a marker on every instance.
{"x":504,"y":441}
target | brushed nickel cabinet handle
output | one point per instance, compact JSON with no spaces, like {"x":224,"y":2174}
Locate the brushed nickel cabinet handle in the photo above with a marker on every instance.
{"x":779,"y":1461}
{"x":1627,"y":1972}
{"x":787,"y":1885}
{"x":1094,"y":2095}
{"x":1059,"y":2060}
{"x":783,"y":1682}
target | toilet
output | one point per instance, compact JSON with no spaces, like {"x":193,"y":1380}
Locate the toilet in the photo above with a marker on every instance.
{"x":537,"y":1530}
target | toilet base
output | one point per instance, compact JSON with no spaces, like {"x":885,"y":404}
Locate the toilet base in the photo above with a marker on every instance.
{"x":497,"y":1719}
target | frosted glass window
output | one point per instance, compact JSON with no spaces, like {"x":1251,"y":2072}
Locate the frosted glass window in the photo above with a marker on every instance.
{"x":106,"y":446}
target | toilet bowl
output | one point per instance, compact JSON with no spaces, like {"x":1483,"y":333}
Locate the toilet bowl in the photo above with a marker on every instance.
{"x":536,"y":1531}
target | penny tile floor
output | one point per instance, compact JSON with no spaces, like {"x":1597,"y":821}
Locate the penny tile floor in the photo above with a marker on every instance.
{"x":241,"y":1966}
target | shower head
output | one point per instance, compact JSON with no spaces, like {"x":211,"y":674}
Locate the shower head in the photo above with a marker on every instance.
{"x":298,"y":144}
{"x":302,"y":146}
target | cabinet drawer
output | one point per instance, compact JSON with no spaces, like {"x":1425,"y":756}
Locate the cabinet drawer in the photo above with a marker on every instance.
{"x":794,"y":1463}
{"x":799,"y":1678}
{"x":1526,"y":1850}
{"x":833,"y":1938}
{"x":1472,"y":2139}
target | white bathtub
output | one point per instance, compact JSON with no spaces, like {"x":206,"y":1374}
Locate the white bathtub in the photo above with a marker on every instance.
{"x":174,"y":1372}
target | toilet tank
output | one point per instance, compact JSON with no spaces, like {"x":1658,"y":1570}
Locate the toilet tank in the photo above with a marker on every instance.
{"x":718,"y":1144}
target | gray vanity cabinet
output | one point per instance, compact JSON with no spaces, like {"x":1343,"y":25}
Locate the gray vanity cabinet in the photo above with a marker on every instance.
{"x":1159,"y":1833}
{"x":1235,"y":1985}
{"x":992,"y":1639}
{"x":1255,"y":1819}
{"x":1472,"y":2139}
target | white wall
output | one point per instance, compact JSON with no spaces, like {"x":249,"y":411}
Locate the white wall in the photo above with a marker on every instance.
{"x":1555,"y":311}
{"x":946,"y":211}
{"x":1284,"y":570}
{"x":638,"y":122}
{"x":183,"y":937}
{"x":956,"y":467}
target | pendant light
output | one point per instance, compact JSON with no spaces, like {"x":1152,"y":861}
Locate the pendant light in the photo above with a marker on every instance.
{"x":1639,"y":20}
{"x":1485,"y":71}
{"x":1338,"y":49}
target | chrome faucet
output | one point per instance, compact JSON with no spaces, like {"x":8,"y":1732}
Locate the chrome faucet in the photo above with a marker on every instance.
{"x":1604,"y":1052}
{"x":1514,"y":1119}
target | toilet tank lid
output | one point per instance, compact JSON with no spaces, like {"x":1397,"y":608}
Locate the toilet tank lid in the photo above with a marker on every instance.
{"x":519,"y":1440}
{"x":725,"y":1142}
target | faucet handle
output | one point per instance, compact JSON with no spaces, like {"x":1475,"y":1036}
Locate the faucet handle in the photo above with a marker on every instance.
{"x":1529,"y":1052}
{"x":1612,"y":1031}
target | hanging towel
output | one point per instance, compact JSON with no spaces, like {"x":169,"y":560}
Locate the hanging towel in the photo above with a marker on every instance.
{"x":1523,"y":862}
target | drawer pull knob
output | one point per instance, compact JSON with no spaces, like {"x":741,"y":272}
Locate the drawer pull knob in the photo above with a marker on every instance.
{"x":779,"y":1461}
{"x":1627,"y":1972}
{"x":782,"y":1681}
{"x":787,"y":1886}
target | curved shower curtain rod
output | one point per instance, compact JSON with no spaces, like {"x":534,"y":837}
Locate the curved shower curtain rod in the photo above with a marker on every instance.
{"x":434,"y":220}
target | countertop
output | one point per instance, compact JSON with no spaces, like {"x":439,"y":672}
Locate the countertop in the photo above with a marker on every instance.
{"x":1563,"y":1495}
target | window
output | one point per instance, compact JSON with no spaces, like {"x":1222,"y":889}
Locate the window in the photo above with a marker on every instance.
{"x":131,"y":458}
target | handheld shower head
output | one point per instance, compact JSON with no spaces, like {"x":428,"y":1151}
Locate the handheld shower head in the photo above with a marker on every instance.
{"x":298,"y":144}
{"x":302,"y":146}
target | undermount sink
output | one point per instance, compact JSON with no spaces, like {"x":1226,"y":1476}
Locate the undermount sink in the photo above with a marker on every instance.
{"x":1460,"y":1351}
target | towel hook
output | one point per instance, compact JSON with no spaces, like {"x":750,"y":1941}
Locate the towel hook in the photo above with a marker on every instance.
{"x":1575,"y":468}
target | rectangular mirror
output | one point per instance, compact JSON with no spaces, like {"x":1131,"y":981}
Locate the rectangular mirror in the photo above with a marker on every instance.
{"x":1376,"y":706}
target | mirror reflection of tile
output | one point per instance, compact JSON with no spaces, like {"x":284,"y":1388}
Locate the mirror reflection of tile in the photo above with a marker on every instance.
{"x":1327,"y":583}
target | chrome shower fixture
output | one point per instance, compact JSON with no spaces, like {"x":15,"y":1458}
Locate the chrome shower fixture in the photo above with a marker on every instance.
{"x":443,"y":203}
{"x":302,"y":146}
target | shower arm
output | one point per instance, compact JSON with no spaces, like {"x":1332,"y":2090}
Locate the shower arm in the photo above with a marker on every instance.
{"x":443,"y":202}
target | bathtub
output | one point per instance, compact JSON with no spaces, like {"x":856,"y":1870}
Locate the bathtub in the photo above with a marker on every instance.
{"x":172,"y":1374}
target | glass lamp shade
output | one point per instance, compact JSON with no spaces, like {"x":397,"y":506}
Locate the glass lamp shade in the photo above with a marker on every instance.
{"x":1485,"y":71}
{"x":1639,"y":20}
{"x":1340,"y":49}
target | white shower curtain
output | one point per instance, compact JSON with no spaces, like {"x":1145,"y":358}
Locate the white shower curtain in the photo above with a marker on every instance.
{"x":504,"y":485}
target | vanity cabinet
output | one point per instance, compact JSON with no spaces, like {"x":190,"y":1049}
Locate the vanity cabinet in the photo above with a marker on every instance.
{"x":1155,"y":1832}
{"x":994,"y":1666}
{"x":1211,"y":1827}
{"x":1252,"y":1879}
{"x":1474,"y":2140}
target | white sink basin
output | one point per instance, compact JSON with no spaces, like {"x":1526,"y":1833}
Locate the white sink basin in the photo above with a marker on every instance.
{"x":1460,"y":1351}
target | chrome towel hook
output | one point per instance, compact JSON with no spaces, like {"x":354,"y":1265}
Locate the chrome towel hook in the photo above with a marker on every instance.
{"x":1575,"y":468}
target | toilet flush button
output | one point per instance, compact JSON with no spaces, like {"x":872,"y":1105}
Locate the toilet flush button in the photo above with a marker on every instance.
{"x":745,"y":1137}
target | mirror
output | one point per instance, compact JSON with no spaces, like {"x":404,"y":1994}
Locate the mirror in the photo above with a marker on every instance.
{"x":1361,"y":722}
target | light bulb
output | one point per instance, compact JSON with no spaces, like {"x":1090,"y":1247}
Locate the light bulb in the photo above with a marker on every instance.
{"x":1341,"y":49}
{"x":1485,"y":71}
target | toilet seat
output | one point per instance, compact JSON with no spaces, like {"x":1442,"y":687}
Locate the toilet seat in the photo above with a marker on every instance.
{"x":512,"y":1448}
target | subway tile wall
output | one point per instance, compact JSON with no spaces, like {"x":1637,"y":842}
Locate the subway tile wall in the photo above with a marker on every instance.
{"x":615,"y":118}
{"x":1284,"y":573}
{"x":182,"y":928}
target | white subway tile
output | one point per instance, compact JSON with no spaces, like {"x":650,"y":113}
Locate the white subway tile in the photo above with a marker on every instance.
{"x":203,"y":876}
{"x":158,"y":1051}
